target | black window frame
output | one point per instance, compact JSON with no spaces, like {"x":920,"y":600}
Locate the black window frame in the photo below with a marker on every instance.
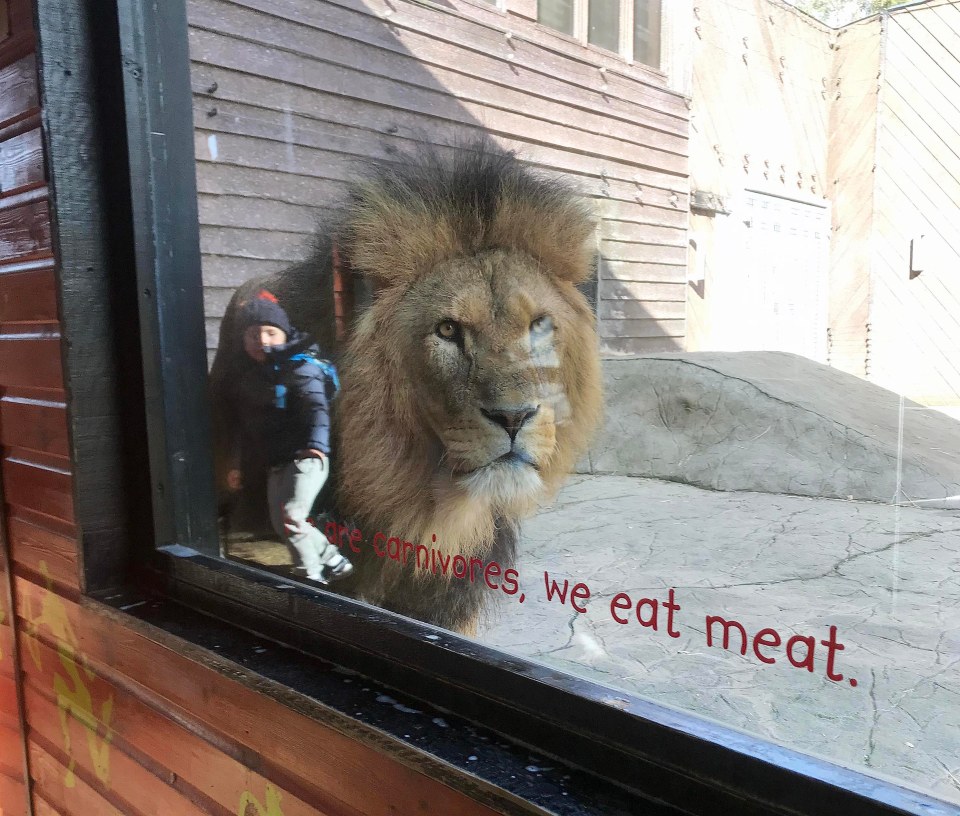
{"x":119,"y":129}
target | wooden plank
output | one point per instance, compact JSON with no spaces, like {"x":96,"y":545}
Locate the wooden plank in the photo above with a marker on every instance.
{"x":615,"y":346}
{"x":414,"y":34}
{"x":41,"y":807}
{"x":197,"y":769}
{"x":639,"y":290}
{"x":215,"y":300}
{"x":480,"y":26}
{"x":671,"y":231}
{"x":256,"y":213}
{"x":212,"y":328}
{"x":28,"y":292}
{"x":30,"y":361}
{"x":11,"y":752}
{"x":268,"y":143}
{"x":4,"y":21}
{"x":21,"y":124}
{"x":259,"y":183}
{"x":42,"y":489}
{"x":43,"y":551}
{"x":13,"y":797}
{"x":300,"y":82}
{"x":18,"y":89}
{"x":641,"y":328}
{"x":66,"y":529}
{"x":104,"y":767}
{"x":25,"y":226}
{"x":21,"y":162}
{"x":336,"y":771}
{"x":255,"y":244}
{"x":8,"y":690}
{"x":6,"y":658}
{"x":674,"y":254}
{"x":628,"y":271}
{"x":49,"y":776}
{"x":224,"y":271}
{"x":554,"y":72}
{"x":39,"y":424}
{"x":21,"y":16}
{"x":638,"y":309}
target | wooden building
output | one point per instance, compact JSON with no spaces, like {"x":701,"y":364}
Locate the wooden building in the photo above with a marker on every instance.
{"x":285,"y":115}
{"x":826,"y":190}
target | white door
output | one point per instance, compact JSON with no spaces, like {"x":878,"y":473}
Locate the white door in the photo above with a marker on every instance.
{"x":771,"y":293}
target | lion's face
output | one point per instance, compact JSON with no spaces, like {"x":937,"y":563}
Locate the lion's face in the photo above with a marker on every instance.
{"x":496,"y":347}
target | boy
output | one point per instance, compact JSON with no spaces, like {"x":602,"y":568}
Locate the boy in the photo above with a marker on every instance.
{"x":284,"y":417}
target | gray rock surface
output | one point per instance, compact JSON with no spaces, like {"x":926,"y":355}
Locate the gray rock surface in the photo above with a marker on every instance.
{"x":887,"y":577}
{"x":775,"y":423}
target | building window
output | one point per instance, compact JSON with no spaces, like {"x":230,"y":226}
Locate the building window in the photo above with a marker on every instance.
{"x":608,"y":24}
{"x":556,"y":14}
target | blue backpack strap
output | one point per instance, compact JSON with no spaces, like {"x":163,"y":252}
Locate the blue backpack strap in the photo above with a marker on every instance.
{"x":326,"y":367}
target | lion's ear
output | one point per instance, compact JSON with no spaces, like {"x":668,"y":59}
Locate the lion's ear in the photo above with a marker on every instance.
{"x":556,"y":228}
{"x":391,"y":241}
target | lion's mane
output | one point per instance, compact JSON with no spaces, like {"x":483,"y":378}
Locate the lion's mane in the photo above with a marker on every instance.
{"x":409,"y":227}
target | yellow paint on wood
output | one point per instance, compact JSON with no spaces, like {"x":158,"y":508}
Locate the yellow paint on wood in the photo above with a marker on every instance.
{"x":73,"y":693}
{"x":251,"y":806}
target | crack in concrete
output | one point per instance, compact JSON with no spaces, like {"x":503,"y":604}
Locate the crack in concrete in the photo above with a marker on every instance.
{"x":871,"y":736}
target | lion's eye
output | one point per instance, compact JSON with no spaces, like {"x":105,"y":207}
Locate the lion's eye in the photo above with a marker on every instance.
{"x":542,"y":325}
{"x":448,"y":329}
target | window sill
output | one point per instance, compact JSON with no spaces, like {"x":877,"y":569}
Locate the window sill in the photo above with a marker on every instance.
{"x":315,"y":652}
{"x":472,"y":760}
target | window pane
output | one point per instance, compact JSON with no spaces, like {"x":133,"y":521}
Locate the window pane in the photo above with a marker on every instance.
{"x":557,"y":14}
{"x":605,"y":23}
{"x":646,"y":32}
{"x":697,"y":442}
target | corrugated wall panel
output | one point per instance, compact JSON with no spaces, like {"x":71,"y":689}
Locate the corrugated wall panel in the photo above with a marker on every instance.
{"x":852,"y":155}
{"x":915,"y":323}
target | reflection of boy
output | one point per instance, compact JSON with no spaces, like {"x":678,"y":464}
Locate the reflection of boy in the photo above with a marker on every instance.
{"x":283,"y":414}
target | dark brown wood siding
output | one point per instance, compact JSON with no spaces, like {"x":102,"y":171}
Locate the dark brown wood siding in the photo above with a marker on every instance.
{"x":115,"y":723}
{"x":290,"y":95}
{"x":33,"y":463}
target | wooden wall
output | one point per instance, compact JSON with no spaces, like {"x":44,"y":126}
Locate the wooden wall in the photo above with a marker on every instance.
{"x":114,"y":722}
{"x":852,"y":95}
{"x":290,"y":94}
{"x":759,"y":120}
{"x":915,"y":324}
{"x":33,"y":449}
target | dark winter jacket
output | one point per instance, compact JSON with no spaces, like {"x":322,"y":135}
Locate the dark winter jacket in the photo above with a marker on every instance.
{"x":282,"y":406}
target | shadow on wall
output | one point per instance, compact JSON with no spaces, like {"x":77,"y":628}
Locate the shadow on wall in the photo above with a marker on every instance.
{"x":639,"y":317}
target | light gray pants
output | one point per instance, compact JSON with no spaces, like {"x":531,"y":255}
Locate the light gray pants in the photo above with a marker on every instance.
{"x":291,"y":492}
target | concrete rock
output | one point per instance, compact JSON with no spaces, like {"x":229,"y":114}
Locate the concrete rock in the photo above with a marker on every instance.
{"x":775,"y":423}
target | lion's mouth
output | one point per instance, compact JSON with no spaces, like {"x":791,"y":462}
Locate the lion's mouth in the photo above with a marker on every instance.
{"x":518,"y":457}
{"x":513,"y":457}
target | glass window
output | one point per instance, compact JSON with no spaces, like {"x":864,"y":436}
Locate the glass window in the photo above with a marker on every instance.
{"x":604,"y":22}
{"x":732,"y":490}
{"x":557,"y":14}
{"x":646,"y":32}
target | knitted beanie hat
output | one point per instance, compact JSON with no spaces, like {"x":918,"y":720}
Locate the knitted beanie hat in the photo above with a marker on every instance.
{"x":263,"y":309}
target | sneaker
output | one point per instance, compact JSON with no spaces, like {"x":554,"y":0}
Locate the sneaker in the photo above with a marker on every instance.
{"x":316,"y":575}
{"x":338,"y":570}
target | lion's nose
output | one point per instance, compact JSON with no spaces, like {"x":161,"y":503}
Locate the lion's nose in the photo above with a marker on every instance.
{"x":511,"y":419}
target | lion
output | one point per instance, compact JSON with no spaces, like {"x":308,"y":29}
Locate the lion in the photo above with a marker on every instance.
{"x":470,"y":383}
